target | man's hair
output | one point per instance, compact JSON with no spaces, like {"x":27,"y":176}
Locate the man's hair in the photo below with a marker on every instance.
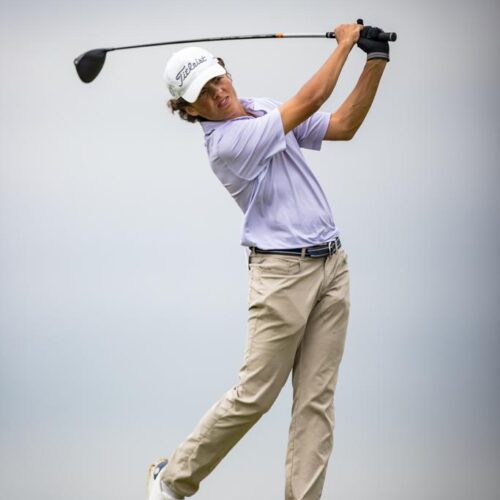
{"x":179,"y":105}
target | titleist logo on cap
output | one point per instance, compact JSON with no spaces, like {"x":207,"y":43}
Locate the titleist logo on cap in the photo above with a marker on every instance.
{"x":187,"y":68}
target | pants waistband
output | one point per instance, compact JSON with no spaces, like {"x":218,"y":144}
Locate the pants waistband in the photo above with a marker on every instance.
{"x":324,"y":250}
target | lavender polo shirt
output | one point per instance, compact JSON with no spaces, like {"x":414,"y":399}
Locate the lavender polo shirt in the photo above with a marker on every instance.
{"x":266,"y":173}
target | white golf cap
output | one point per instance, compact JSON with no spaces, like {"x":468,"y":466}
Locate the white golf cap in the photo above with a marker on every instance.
{"x":188,"y":70}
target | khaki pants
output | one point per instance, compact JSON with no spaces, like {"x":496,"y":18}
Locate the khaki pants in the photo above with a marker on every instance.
{"x":298,"y":312}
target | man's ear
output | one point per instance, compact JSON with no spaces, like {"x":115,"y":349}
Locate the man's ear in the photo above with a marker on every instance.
{"x":191,"y":111}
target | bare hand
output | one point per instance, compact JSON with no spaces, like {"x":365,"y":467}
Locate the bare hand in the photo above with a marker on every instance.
{"x":348,"y":33}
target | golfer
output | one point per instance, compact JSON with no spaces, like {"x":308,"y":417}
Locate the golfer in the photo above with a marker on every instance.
{"x":298,"y":275}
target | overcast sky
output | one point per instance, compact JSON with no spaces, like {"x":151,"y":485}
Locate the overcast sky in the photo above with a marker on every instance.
{"x":123,"y":285}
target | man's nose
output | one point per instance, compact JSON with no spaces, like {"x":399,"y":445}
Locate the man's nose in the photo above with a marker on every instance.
{"x":214,"y":90}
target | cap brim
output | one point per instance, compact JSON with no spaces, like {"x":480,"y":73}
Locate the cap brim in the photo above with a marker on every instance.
{"x":194,"y":89}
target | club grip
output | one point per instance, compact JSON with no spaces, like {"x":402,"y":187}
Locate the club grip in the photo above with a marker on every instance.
{"x":387,"y":37}
{"x":383,"y":37}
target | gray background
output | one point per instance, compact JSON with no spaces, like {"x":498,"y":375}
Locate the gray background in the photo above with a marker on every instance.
{"x":123,"y":285}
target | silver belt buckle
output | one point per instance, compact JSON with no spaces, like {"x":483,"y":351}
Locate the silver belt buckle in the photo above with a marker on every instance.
{"x":333,"y":246}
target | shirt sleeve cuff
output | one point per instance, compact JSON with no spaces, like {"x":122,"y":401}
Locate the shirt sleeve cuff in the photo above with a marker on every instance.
{"x":317,"y":142}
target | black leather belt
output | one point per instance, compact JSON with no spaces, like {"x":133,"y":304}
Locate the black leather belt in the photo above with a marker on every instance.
{"x":323,"y":250}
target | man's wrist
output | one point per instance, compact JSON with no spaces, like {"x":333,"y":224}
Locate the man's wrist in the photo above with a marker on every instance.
{"x":376,"y":63}
{"x":345,"y":45}
{"x":375,"y":66}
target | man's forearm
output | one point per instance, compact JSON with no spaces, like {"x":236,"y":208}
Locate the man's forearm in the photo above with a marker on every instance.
{"x":319,"y":88}
{"x":350,"y":115}
{"x":315,"y":91}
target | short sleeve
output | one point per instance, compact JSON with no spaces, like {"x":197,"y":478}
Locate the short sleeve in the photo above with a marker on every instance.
{"x":248,"y":144}
{"x":311,"y":132}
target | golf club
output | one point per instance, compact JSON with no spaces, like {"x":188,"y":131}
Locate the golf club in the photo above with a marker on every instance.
{"x":89,"y":64}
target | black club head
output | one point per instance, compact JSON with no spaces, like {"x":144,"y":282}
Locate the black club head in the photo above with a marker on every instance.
{"x":89,"y":64}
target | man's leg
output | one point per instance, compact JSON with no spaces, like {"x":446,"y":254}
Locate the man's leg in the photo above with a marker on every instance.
{"x":282,"y":294}
{"x":314,"y":378}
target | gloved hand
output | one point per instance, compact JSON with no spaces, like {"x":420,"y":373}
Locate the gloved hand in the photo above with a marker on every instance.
{"x":375,"y":49}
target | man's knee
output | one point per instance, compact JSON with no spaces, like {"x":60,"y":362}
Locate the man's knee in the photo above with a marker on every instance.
{"x":254,"y":401}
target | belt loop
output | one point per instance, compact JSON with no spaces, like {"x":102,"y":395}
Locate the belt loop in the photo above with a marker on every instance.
{"x":302,"y":253}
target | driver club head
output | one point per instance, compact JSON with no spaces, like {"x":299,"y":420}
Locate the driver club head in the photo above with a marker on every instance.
{"x":89,"y":64}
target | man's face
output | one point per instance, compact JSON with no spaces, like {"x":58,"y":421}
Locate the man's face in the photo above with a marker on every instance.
{"x":217,"y":101}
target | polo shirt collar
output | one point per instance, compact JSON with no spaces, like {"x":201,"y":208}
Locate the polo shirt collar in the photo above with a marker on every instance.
{"x":248,"y":103}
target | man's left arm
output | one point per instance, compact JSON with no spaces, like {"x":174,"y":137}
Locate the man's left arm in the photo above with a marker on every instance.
{"x":350,"y":115}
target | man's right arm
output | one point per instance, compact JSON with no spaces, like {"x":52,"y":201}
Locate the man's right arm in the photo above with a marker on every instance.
{"x":318,"y":89}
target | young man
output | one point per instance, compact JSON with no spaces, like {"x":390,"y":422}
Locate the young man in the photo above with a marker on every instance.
{"x":299,"y":280}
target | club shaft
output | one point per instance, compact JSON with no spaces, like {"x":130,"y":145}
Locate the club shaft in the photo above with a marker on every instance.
{"x":89,"y":64}
{"x":225,"y":38}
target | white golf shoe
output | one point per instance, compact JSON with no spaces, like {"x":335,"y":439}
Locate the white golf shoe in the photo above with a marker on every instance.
{"x":157,"y":489}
